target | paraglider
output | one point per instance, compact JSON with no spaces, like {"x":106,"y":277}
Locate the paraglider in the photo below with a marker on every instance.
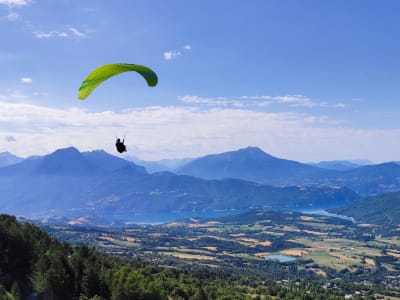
{"x":121,"y":148}
{"x":97,"y":76}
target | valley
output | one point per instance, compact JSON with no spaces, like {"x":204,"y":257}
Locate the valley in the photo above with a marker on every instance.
{"x":229,"y":226}
{"x":323,"y":247}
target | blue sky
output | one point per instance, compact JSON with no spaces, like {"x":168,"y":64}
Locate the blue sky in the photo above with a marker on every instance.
{"x":306,"y":80}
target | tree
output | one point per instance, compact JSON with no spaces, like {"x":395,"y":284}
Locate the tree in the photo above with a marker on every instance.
{"x":16,"y":291}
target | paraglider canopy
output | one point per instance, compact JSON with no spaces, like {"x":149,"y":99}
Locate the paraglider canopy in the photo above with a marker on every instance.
{"x":97,"y":76}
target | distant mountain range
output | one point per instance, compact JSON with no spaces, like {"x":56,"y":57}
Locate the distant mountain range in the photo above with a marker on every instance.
{"x":6,"y":159}
{"x":160,"y":165}
{"x":340,"y":165}
{"x":251,"y":164}
{"x":70,"y":182}
{"x":255,"y":165}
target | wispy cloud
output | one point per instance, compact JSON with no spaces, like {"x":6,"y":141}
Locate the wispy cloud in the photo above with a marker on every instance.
{"x":11,"y":95}
{"x":173,"y":54}
{"x":70,"y":32}
{"x":292,"y":100}
{"x":219,"y":101}
{"x":50,"y":34}
{"x":15,"y":2}
{"x":26,"y":80}
{"x":258,"y":101}
{"x":77,"y":33}
{"x":13,"y":16}
{"x":171,"y":132}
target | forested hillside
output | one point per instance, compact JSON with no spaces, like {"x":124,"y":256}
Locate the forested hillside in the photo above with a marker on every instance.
{"x":31,"y":261}
{"x":380,"y":209}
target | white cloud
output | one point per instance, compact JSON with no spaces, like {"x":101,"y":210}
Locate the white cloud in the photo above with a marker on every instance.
{"x":15,"y":2}
{"x":295,"y":100}
{"x":251,"y":101}
{"x":12,"y":95}
{"x":26,"y":80}
{"x":77,"y":33}
{"x":259,"y":101}
{"x":172,"y":132}
{"x":219,"y":101}
{"x":12,"y":17}
{"x":292,"y":100}
{"x":168,"y":55}
{"x":44,"y":35}
{"x":50,"y":34}
{"x":173,"y":54}
{"x":71,"y":32}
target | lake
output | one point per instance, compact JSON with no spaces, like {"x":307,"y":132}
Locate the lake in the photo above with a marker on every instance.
{"x":325,"y":213}
{"x":156,"y":218}
{"x":281,"y":258}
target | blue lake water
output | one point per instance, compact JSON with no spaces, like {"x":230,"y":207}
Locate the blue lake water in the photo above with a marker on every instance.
{"x":325,"y":213}
{"x":166,"y":217}
{"x":281,"y":258}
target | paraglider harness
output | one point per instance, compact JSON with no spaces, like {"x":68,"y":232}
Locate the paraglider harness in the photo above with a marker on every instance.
{"x":120,"y":145}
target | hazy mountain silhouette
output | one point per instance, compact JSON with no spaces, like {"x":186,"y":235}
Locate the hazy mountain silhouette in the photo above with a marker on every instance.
{"x":69,"y":181}
{"x":250,"y":163}
{"x":109,"y":162}
{"x":369,"y":180}
{"x":340,"y":165}
{"x":7,"y":158}
{"x":160,"y":165}
{"x":253,"y":164}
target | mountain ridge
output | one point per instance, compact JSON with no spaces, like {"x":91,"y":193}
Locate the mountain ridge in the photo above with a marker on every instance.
{"x":250,"y":163}
{"x":267,"y":169}
{"x":7,"y":158}
{"x":70,"y":181}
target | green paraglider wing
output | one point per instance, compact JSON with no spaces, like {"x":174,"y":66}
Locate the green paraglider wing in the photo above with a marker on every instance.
{"x":102,"y":73}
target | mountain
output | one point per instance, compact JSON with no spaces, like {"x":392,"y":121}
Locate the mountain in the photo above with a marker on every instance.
{"x":70,"y":182}
{"x":340,"y":165}
{"x":255,"y":165}
{"x":367,"y":180}
{"x":110,"y":162}
{"x":160,"y":165}
{"x":382,"y":209}
{"x":251,"y":164}
{"x":165,"y":191}
{"x":68,"y":161}
{"x":61,"y":180}
{"x":7,"y":158}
